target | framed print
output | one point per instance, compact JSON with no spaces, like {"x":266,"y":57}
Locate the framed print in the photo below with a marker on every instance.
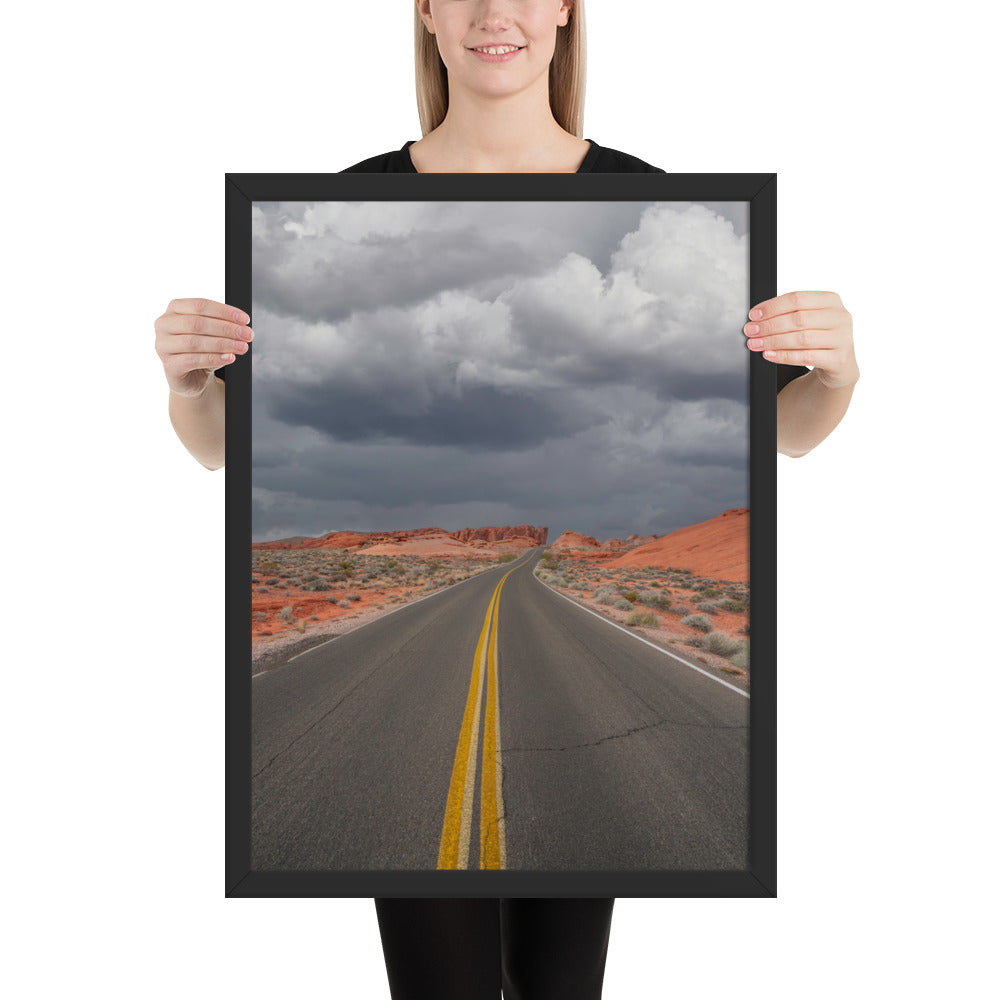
{"x":499,"y":515}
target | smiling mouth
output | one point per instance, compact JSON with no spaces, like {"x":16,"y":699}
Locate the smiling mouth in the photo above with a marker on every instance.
{"x":496,"y":50}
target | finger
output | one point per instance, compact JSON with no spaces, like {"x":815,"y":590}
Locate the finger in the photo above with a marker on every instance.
{"x":792,"y":301}
{"x":800,"y":319}
{"x":208,"y":307}
{"x":815,"y":358}
{"x":800,"y":340}
{"x":180,"y":364}
{"x":179,"y":324}
{"x":185,"y":344}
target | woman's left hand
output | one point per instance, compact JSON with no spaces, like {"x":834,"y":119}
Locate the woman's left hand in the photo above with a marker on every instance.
{"x":806,"y":328}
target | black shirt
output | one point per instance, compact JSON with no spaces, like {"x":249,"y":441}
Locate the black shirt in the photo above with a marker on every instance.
{"x":599,"y":160}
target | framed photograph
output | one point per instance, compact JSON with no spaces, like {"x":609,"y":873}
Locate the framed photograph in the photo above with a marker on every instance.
{"x":500,"y":510}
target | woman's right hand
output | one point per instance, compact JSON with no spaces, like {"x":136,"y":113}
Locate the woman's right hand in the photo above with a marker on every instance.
{"x":196,"y":336}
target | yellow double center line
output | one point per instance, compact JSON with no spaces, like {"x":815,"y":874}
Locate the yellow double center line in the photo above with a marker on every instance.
{"x":456,"y":832}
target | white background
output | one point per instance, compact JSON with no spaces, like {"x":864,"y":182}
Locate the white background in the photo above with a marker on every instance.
{"x":121,"y":120}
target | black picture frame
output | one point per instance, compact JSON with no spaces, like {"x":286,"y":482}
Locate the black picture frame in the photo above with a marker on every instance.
{"x":759,"y":878}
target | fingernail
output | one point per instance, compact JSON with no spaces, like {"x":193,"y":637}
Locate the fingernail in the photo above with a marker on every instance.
{"x":756,"y":313}
{"x":752,"y":328}
{"x":240,"y":317}
{"x":769,"y":354}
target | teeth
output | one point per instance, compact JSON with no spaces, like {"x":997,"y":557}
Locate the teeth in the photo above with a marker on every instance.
{"x":500,"y":49}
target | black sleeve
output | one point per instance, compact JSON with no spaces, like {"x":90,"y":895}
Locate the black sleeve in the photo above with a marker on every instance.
{"x":786,"y":373}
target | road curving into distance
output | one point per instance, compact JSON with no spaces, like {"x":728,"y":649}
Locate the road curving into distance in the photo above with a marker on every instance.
{"x":496,"y":725}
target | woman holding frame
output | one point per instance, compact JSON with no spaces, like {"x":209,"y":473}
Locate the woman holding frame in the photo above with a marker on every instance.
{"x":500,"y":89}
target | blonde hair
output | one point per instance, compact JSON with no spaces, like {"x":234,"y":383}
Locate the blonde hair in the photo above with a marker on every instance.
{"x":567,"y":74}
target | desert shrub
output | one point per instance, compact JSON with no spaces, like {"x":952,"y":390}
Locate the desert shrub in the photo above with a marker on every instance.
{"x":271,"y":581}
{"x":260,"y":616}
{"x":557,"y":579}
{"x":709,"y":607}
{"x":606,"y":595}
{"x":682,"y":609}
{"x":642,"y":618}
{"x":700,"y":622}
{"x":709,"y":591}
{"x":622,"y":604}
{"x":506,"y":557}
{"x":354,"y":597}
{"x":729,"y":604}
{"x":720,"y":644}
{"x":745,"y":630}
{"x":632,"y":596}
{"x":334,"y":599}
{"x":286,"y":614}
{"x":318,"y":585}
{"x":741,"y":658}
{"x":696,"y":640}
{"x":343,"y":604}
{"x":654,"y":600}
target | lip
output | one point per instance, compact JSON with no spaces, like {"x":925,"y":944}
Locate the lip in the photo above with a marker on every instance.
{"x":502,"y":57}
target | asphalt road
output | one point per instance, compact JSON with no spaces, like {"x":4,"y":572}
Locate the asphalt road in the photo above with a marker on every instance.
{"x":496,"y":725}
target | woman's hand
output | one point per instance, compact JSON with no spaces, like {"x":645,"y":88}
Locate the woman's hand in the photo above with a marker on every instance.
{"x":196,"y":336}
{"x":806,"y":328}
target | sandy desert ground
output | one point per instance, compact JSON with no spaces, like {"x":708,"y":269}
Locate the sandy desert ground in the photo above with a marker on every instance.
{"x":687,"y":590}
{"x":306,"y":591}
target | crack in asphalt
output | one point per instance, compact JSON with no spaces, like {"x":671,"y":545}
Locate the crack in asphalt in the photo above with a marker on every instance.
{"x":387,"y":659}
{"x":619,"y":736}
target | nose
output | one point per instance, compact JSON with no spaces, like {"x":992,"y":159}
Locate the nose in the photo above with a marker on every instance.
{"x":493,"y":15}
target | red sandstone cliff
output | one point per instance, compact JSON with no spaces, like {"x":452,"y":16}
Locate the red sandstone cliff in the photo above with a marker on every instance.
{"x":718,"y":548}
{"x":504,"y":534}
{"x":525,"y":535}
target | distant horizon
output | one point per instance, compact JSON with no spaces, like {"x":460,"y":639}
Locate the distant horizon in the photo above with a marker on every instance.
{"x":551,"y":536}
{"x":573,"y":363}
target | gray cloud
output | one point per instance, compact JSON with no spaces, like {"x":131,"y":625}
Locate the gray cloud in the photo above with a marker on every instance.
{"x":574,"y":364}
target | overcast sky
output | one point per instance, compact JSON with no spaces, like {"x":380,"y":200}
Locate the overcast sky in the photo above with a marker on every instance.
{"x":455,"y":364}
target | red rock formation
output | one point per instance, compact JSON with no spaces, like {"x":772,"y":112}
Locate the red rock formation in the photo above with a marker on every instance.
{"x":634,"y":540}
{"x":335,"y":540}
{"x":504,"y":534}
{"x":716,"y":548}
{"x":574,"y":540}
{"x":524,"y":535}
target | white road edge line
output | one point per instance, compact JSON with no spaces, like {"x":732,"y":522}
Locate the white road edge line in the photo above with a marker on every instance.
{"x":652,"y":645}
{"x":402,"y":607}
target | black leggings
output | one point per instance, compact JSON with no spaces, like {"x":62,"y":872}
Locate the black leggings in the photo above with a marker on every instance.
{"x":466,"y":949}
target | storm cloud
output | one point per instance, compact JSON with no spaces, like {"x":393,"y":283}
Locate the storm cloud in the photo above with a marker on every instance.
{"x":574,"y":364}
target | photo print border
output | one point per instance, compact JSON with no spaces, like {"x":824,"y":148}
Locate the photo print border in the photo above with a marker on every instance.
{"x":759,"y":878}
